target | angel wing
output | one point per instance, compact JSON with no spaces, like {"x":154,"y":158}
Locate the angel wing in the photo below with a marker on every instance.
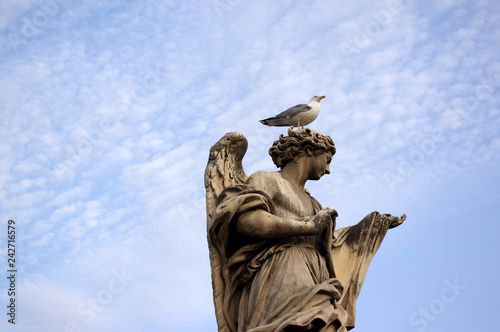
{"x":223,"y":169}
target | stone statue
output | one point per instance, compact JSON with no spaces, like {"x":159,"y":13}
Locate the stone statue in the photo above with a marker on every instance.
{"x":278,"y":264}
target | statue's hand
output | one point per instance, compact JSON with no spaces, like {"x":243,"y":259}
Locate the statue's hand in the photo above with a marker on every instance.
{"x":395,"y":221}
{"x":322,"y":219}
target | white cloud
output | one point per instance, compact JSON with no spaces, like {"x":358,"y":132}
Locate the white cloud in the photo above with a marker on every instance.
{"x":110,"y":110}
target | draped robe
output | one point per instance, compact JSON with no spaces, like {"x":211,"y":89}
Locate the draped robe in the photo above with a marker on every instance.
{"x":302,"y":283}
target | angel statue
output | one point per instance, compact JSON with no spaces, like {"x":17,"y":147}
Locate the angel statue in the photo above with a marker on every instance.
{"x":278,"y":264}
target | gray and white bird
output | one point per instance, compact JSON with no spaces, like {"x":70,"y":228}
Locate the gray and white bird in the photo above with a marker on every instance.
{"x":298,"y":115}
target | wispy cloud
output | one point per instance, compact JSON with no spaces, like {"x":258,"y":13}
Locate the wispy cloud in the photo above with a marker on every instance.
{"x":109,"y":111}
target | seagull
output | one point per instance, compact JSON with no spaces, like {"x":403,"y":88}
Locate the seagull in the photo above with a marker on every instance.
{"x":296,"y":115}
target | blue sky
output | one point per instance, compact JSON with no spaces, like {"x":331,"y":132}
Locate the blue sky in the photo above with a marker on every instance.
{"x":109,"y":109}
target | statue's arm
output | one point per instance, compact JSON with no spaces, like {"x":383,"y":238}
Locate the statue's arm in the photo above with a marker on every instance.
{"x":264,"y":225}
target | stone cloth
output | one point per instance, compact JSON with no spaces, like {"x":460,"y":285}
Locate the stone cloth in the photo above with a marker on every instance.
{"x":352,"y":251}
{"x":289,"y":284}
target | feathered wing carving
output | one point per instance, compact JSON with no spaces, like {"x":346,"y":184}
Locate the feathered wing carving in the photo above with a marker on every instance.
{"x":224,"y":169}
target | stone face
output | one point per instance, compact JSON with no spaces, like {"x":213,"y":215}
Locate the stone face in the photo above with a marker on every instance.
{"x":278,"y":264}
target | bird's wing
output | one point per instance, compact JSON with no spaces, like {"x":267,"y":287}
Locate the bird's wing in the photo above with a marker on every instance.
{"x":293,"y":111}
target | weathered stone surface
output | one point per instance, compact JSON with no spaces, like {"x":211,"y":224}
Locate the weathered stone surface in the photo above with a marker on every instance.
{"x":278,"y":264}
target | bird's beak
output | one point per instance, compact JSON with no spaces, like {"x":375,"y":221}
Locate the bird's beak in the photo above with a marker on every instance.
{"x":321,"y":97}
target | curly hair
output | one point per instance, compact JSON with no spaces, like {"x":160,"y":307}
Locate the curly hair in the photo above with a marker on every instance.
{"x":288,"y":148}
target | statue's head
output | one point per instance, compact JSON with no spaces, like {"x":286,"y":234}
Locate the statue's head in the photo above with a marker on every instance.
{"x":293,"y":146}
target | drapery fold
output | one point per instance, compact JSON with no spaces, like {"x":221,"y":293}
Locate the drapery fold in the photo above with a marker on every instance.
{"x":272,"y":285}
